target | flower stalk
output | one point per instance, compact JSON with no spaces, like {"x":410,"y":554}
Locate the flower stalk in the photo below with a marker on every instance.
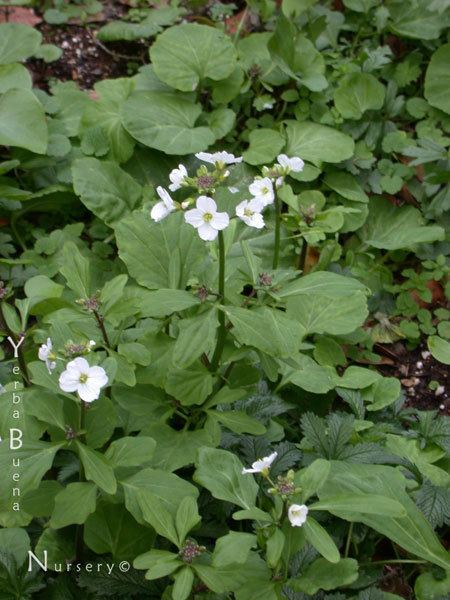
{"x":222,"y":327}
{"x":276,"y":247}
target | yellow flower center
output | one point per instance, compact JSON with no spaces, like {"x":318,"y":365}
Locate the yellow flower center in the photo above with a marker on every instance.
{"x":248,"y":212}
{"x":83,"y":378}
{"x":207,"y":217}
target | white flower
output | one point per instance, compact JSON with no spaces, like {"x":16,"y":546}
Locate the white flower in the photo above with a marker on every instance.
{"x":163,"y":208}
{"x":294,"y":164}
{"x":263,"y":190}
{"x":47,"y":355}
{"x":177,"y":176}
{"x":297,"y":514}
{"x":206,"y":219}
{"x":249,"y":211}
{"x":279,"y":181}
{"x":84,"y":379}
{"x":268,"y":105}
{"x":233,"y":190}
{"x":219,"y":157}
{"x":262,"y":465}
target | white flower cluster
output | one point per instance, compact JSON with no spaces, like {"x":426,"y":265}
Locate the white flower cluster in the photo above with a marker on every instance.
{"x":297,"y":513}
{"x":205,"y":217}
{"x":78,"y":376}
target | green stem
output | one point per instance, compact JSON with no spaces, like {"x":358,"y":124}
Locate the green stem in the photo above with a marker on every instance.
{"x":276,"y":249}
{"x":101,"y":326}
{"x":79,"y":543}
{"x":222,"y":328}
{"x":394,"y":562}
{"x":349,"y":537}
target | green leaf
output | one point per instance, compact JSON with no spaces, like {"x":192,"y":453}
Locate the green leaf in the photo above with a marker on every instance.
{"x":22,"y":121}
{"x":358,"y":92}
{"x":431,"y":587}
{"x":131,"y":451}
{"x":315,"y":143}
{"x":17,"y":42}
{"x":76,"y":270}
{"x":233,"y":548}
{"x":185,"y":55}
{"x":168,"y":488}
{"x":158,"y":516}
{"x":346,"y":186}
{"x":97,"y":468}
{"x":318,"y":537}
{"x":197,"y":336}
{"x":187,"y":517}
{"x":393,"y":227}
{"x":161,"y":303}
{"x":176,"y":449}
{"x":418,"y":22}
{"x":101,"y":120}
{"x":151,"y":24}
{"x":112,"y":530}
{"x":14,"y":76}
{"x":238,"y":421}
{"x":159,"y":255}
{"x":183,"y":581}
{"x":105,"y":189}
{"x":323,"y":575}
{"x":15,"y":541}
{"x":45,"y":406}
{"x":322,"y":283}
{"x":412,"y":532}
{"x":369,"y":504}
{"x":319,"y":314}
{"x":439,"y":348}
{"x":267,"y":329}
{"x":36,"y":458}
{"x":311,"y":478}
{"x":437,"y":79}
{"x":166,"y":122}
{"x":303,"y":371}
{"x":190,"y":386}
{"x":74,"y":504}
{"x":274,"y":547}
{"x":265,"y":145}
{"x":220,"y":472}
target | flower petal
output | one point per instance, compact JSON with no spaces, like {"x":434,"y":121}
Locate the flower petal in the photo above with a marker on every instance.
{"x":207,"y":233}
{"x":206,"y":204}
{"x":69,"y":381}
{"x":194,"y":217}
{"x":97,"y":376}
{"x":220,"y":220}
{"x":159,"y":212}
{"x":88,"y":392}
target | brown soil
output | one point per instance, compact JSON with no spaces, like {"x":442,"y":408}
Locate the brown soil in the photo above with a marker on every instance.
{"x":415,"y":369}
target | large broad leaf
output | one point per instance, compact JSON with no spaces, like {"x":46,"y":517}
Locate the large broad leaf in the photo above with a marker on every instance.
{"x":16,"y":542}
{"x":36,"y":458}
{"x":14,"y":76}
{"x":169,"y":489}
{"x":112,"y":530}
{"x":176,"y":449}
{"x":439,"y":348}
{"x":152,"y":24}
{"x":297,"y":56}
{"x":437,"y":79}
{"x":419,"y":21}
{"x":358,"y":92}
{"x":265,"y":144}
{"x":185,"y":55}
{"x":17,"y":42}
{"x":220,"y":472}
{"x":166,"y":122}
{"x":323,"y":283}
{"x":316,"y":143}
{"x":101,"y":128}
{"x":321,"y":314}
{"x":197,"y":336}
{"x":74,"y":504}
{"x":22,"y":121}
{"x":97,"y":468}
{"x":159,"y":255}
{"x":108,"y":191}
{"x":393,"y":227}
{"x":324,"y":575}
{"x":412,"y":532}
{"x":267,"y":329}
